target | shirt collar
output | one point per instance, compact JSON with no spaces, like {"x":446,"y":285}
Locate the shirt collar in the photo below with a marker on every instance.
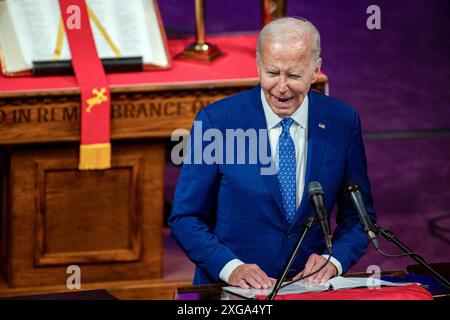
{"x":300,"y":115}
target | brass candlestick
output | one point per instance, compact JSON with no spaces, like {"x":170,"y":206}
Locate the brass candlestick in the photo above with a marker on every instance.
{"x":272,"y":9}
{"x":200,"y":49}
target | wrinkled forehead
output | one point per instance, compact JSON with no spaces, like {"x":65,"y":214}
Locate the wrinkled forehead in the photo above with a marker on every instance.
{"x":286,"y":53}
{"x":293,"y":38}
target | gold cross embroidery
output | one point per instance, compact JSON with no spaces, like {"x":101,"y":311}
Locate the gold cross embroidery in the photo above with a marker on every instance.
{"x":98,"y":99}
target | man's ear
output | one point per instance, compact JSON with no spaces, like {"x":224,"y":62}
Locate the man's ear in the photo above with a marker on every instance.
{"x":316,"y":70}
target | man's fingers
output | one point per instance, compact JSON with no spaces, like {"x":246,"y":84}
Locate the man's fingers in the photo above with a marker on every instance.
{"x":307,"y":272}
{"x":309,"y":265}
{"x":249,"y":275}
{"x":266,"y":281}
{"x":253,"y":282}
{"x":327,"y":275}
{"x":273,"y":282}
{"x":243,"y":284}
{"x":319,"y":275}
{"x":312,"y":265}
{"x":261,"y":278}
{"x":298,"y":276}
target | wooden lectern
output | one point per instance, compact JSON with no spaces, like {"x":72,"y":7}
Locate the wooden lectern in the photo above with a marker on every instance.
{"x":108,"y":222}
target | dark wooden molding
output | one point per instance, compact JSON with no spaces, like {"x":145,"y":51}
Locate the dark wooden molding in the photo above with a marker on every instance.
{"x":134,"y":114}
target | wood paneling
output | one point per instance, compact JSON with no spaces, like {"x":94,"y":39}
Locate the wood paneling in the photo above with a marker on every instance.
{"x":103,"y":220}
{"x":4,"y":202}
{"x":3,"y":197}
{"x":58,"y":219}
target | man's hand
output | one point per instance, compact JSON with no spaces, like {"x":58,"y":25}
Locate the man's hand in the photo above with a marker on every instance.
{"x":250,"y":276}
{"x":314,"y":262}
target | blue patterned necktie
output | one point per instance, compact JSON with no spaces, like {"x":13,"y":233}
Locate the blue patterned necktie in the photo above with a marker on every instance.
{"x":286,"y":170}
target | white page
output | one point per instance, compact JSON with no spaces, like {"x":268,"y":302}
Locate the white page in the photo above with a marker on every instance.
{"x":338,"y":283}
{"x":12,"y":53}
{"x":297,"y":287}
{"x":129,"y":24}
{"x":125,"y":23}
{"x":357,"y":282}
{"x":36,"y":27}
{"x":156,"y":43}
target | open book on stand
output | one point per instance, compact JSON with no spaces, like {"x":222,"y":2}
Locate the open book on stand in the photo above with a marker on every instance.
{"x":337,"y":283}
{"x":32,"y":33}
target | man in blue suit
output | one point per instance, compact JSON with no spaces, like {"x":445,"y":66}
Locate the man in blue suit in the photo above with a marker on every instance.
{"x":239,"y":224}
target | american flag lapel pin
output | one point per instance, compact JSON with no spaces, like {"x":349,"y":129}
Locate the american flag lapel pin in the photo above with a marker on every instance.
{"x":322,"y":126}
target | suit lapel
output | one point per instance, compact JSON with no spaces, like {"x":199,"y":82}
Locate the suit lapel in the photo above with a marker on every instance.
{"x":318,"y":130}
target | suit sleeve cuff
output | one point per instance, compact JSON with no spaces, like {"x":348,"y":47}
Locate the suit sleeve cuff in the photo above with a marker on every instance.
{"x":336,"y":263}
{"x":226,"y":271}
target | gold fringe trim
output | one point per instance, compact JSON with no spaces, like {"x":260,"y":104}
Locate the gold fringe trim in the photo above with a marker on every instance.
{"x":95,"y":156}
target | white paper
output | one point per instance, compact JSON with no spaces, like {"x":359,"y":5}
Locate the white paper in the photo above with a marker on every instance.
{"x":356,"y":282}
{"x":297,"y":287}
{"x":337,"y":283}
{"x":29,"y":31}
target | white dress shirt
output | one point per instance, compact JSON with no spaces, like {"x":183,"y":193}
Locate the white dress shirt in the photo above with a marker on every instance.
{"x":298,"y":131}
{"x":299,"y":134}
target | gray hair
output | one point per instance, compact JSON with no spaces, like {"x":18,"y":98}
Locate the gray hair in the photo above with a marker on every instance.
{"x":289,"y":29}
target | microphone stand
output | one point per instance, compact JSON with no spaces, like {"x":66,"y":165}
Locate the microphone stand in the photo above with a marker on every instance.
{"x":389,"y":236}
{"x":280,"y":280}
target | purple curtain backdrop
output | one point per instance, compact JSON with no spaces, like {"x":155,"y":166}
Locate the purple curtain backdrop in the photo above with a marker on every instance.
{"x":398,"y":79}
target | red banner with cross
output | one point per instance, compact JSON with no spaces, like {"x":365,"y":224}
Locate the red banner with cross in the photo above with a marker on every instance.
{"x":95,"y":148}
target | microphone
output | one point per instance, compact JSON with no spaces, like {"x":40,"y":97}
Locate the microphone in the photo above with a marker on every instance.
{"x":315,"y":196}
{"x":353,"y":192}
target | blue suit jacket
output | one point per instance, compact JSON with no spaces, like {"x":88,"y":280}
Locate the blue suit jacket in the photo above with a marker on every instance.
{"x":227,"y":211}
